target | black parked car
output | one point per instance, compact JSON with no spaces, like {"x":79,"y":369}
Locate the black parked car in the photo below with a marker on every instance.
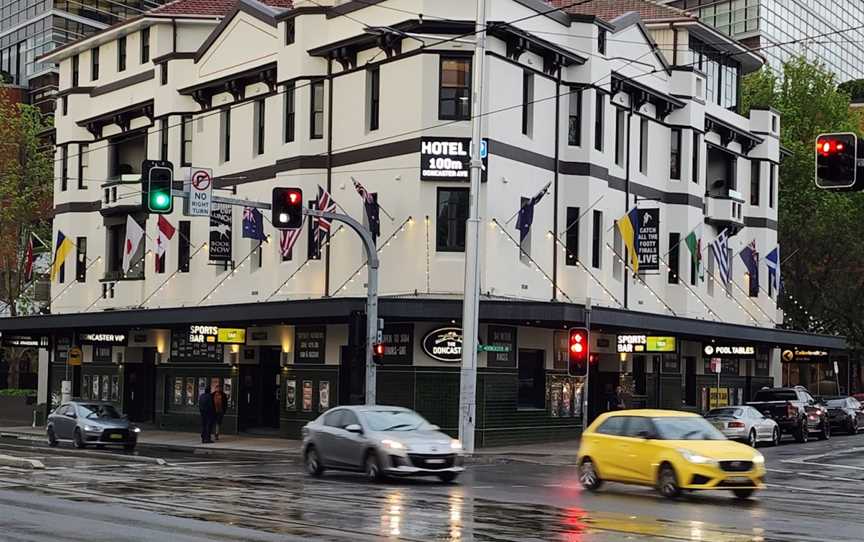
{"x":795,"y":411}
{"x":91,"y":423}
{"x":845,"y":414}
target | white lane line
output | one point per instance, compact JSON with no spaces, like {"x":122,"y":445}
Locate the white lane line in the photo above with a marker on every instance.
{"x":832,"y":465}
{"x":551,"y":485}
{"x":482,"y":487}
{"x":821,"y":491}
{"x":518,"y":486}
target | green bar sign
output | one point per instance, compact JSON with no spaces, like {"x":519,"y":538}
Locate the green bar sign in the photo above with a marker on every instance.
{"x":498,"y":348}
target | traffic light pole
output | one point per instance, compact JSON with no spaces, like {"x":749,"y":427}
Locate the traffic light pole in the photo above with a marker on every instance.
{"x":587,"y":367}
{"x":372,"y":284}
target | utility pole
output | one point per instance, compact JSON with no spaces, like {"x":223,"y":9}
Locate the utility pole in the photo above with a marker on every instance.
{"x":588,"y":368}
{"x":471,"y":299}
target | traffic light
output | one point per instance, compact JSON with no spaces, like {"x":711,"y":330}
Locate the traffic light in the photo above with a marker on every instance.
{"x":287,"y":208}
{"x":378,"y":353}
{"x":837,"y":162}
{"x":158,"y":177}
{"x":579,"y":356}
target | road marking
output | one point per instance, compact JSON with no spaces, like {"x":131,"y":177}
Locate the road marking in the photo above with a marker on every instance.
{"x":551,"y":485}
{"x":518,"y":486}
{"x":820,"y":491}
{"x":482,"y":487}
{"x":802,"y":462}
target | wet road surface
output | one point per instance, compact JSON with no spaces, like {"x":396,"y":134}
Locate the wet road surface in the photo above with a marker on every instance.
{"x":816,"y":492}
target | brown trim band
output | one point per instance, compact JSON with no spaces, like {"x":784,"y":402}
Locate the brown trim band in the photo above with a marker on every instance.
{"x":173,"y":56}
{"x":123,"y":83}
{"x":78,"y":207}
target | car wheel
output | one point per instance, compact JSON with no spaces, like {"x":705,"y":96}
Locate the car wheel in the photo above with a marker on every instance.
{"x":667,"y":482}
{"x":78,"y":440}
{"x":752,"y":440}
{"x":802,"y":434}
{"x":372,"y":468}
{"x":313,"y":462}
{"x":825,"y":433}
{"x":743,"y":494}
{"x":447,"y":477}
{"x":853,"y":427}
{"x":52,"y":438}
{"x":588,"y":475}
{"x":775,"y":437}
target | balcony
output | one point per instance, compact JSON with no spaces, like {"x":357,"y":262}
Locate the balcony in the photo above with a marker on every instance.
{"x":122,"y":195}
{"x":725,"y":210}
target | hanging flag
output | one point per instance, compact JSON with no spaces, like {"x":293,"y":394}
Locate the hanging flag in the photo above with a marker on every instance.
{"x":288,"y":238}
{"x":772,"y":260}
{"x":253,"y":224}
{"x":164,"y":234}
{"x":28,"y":260}
{"x":526,"y":213}
{"x":327,"y":204}
{"x":751,"y":262}
{"x":62,"y":249}
{"x":695,"y":246}
{"x":628,"y":227}
{"x":370,"y":205}
{"x":134,"y":235}
{"x":720,"y":248}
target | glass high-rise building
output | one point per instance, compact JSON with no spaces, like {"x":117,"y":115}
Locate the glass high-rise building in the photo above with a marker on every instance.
{"x":31,"y":28}
{"x":830,"y":31}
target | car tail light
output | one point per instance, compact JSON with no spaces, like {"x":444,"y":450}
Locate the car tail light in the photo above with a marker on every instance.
{"x":736,"y":424}
{"x":791,"y":411}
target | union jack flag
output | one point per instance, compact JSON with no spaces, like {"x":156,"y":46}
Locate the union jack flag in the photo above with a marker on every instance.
{"x":327,"y":204}
{"x":288,"y":238}
{"x":367,"y":197}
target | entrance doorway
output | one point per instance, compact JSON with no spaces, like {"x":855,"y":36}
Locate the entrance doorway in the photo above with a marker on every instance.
{"x":139,"y":388}
{"x":260,"y":387}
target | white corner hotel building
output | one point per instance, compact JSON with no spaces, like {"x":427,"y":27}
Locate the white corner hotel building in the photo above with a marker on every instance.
{"x":631,"y":110}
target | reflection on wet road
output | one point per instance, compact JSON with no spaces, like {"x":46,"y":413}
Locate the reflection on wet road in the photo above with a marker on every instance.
{"x":815,"y":493}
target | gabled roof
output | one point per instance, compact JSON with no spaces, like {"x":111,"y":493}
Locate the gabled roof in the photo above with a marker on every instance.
{"x":648,"y":10}
{"x":218,"y":8}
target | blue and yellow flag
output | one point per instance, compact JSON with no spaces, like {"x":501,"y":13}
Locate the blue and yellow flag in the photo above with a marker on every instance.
{"x":628,"y":226}
{"x":62,"y":249}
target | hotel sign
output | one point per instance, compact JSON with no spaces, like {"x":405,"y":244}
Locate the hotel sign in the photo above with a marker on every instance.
{"x":444,"y":344}
{"x":118,"y":339}
{"x":203,"y":334}
{"x":646,"y":343}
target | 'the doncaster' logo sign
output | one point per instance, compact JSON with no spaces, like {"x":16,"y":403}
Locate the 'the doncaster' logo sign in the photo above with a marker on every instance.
{"x":444,"y":344}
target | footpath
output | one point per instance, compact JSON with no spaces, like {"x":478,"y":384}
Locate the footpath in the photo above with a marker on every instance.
{"x":152,"y":440}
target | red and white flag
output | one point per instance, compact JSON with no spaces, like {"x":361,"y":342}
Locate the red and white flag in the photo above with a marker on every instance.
{"x":164,"y":234}
{"x":134,"y":235}
{"x":325,"y":203}
{"x":288,"y":238}
{"x":28,"y":260}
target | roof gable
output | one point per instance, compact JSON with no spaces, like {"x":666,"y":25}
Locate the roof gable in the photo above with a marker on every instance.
{"x":218,"y":8}
{"x":239,"y":42}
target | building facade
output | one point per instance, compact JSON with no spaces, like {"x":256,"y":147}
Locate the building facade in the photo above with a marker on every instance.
{"x":828,"y":31}
{"x":592,"y":109}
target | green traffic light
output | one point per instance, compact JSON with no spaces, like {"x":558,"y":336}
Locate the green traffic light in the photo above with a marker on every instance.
{"x":160,"y":201}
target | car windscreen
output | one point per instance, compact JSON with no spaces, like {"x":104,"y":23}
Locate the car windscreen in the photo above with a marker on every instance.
{"x":779,"y":395}
{"x":393,"y":420}
{"x":99,"y":411}
{"x":837,"y":403}
{"x":725,"y":412}
{"x":686,"y":428}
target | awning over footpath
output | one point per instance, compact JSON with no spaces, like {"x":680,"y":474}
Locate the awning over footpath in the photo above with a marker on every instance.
{"x":406,"y":309}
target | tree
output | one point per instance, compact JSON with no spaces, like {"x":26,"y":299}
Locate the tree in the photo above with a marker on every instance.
{"x":26,"y":181}
{"x":820,"y":231}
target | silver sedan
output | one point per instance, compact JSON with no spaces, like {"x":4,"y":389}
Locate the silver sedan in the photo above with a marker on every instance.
{"x":746,"y":424}
{"x":380,"y":441}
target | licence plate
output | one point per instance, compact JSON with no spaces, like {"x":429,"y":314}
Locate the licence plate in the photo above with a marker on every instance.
{"x":116,"y":436}
{"x":435,"y":461}
{"x":739,"y":480}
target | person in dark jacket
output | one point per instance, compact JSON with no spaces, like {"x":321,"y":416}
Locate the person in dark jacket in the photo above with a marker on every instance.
{"x":220,"y":406}
{"x":208,"y":415}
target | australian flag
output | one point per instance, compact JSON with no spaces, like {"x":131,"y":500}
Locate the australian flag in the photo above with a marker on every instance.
{"x":526,"y":213}
{"x":370,"y":205}
{"x":253,"y":224}
{"x":751,"y":262}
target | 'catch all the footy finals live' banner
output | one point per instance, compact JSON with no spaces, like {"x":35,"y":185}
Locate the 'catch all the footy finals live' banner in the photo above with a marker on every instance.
{"x":648,"y":240}
{"x":220,"y":233}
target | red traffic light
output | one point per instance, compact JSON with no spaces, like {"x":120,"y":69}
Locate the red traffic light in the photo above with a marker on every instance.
{"x":578,"y":352}
{"x":294,"y":197}
{"x":378,"y":352}
{"x":829,"y":146}
{"x":837,"y":162}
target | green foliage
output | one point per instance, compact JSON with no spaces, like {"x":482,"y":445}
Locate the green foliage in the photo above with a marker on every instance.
{"x":854,"y":88}
{"x":820,"y":231}
{"x":13,"y":392}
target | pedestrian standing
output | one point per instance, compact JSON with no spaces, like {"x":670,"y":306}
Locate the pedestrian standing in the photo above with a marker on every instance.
{"x":220,"y":406}
{"x":205,"y":407}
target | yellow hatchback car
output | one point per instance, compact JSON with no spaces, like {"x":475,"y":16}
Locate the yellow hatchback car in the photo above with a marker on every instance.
{"x":669,"y":450}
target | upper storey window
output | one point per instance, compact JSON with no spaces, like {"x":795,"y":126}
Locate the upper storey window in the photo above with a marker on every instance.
{"x":722,"y":75}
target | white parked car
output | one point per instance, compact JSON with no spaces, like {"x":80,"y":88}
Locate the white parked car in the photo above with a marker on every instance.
{"x":746,"y":424}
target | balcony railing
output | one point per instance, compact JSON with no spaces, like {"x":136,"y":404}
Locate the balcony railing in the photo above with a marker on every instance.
{"x":725,"y":210}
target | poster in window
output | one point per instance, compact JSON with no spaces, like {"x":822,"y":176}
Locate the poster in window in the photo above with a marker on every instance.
{"x":227,"y":389}
{"x":202,"y":385}
{"x":398,"y":344}
{"x":502,"y":340}
{"x":567,"y":398}
{"x":323,"y":395}
{"x":115,"y":388}
{"x":95,"y":388}
{"x":106,"y":387}
{"x":307,"y":396}
{"x":291,"y":395}
{"x":85,"y":388}
{"x":310,"y":341}
{"x":562,"y":356}
{"x":671,"y":365}
{"x":555,"y":398}
{"x":190,"y":391}
{"x":178,"y":391}
{"x":101,"y":352}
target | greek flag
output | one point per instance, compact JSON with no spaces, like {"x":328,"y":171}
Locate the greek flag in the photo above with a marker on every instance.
{"x":720,"y":248}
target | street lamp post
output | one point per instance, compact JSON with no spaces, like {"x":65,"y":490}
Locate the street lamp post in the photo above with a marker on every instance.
{"x":471,"y":302}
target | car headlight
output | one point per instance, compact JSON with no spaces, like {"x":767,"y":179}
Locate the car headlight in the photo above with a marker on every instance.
{"x":136,"y":429}
{"x":91,"y":428}
{"x":455,"y":445}
{"x":696,"y":458}
{"x":392,"y":444}
{"x":758,"y":459}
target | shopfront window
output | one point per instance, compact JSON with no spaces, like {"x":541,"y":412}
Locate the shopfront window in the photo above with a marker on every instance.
{"x":532,"y":379}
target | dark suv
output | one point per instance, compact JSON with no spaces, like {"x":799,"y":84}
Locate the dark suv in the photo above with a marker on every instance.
{"x":795,"y":411}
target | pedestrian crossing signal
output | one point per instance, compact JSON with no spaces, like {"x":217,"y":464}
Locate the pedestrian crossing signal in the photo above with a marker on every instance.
{"x":837,"y":162}
{"x":287,"y":207}
{"x":378,"y":353}
{"x":578,"y":354}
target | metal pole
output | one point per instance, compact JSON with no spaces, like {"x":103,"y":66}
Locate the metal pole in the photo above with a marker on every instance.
{"x":588,"y":368}
{"x":471,"y":301}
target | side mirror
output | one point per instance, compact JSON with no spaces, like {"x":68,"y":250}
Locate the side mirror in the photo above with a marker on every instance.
{"x":354,"y":428}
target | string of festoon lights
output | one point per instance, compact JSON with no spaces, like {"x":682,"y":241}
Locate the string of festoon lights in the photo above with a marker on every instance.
{"x":171,"y":277}
{"x":809,"y":319}
{"x":691,"y":291}
{"x":428,"y":275}
{"x":401,"y":229}
{"x":303,"y":266}
{"x":639,"y":280}
{"x":72,"y":283}
{"x":233,"y":272}
{"x":494,"y":223}
{"x":755,"y":304}
{"x":570,"y":256}
{"x":134,"y":267}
